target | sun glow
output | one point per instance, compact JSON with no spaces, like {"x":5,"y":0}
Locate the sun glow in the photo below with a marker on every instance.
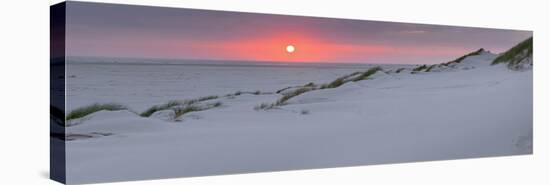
{"x":290,"y":48}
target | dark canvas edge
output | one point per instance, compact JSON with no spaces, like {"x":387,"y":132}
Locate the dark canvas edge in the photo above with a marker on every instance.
{"x":57,"y":92}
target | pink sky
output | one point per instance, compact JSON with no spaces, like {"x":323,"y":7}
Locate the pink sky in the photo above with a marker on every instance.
{"x":107,"y":30}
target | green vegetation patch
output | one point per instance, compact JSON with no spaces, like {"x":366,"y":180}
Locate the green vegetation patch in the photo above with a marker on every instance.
{"x":367,"y":73}
{"x":165,"y":106}
{"x":87,"y":110}
{"x":311,"y":87}
{"x":180,"y":111}
{"x":510,"y":55}
{"x":297,"y":92}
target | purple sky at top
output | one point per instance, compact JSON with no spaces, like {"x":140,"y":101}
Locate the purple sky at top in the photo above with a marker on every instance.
{"x":107,"y":30}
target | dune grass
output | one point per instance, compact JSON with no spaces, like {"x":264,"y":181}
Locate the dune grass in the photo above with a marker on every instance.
{"x":180,"y":111}
{"x":430,"y":67}
{"x":419,"y":68}
{"x":286,"y":97}
{"x":310,"y":84}
{"x":312,"y":87}
{"x":156,"y":108}
{"x":460,"y":59}
{"x":335,"y":83}
{"x":87,"y":110}
{"x":367,"y":73}
{"x":178,"y":104}
{"x":511,"y":55}
{"x":339,"y":81}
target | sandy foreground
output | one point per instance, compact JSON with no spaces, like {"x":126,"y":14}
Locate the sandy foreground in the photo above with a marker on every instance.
{"x":475,"y":110}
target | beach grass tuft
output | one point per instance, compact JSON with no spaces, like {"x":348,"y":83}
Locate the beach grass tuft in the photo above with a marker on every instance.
{"x":165,"y":106}
{"x":511,"y":56}
{"x":367,"y":73}
{"x":87,"y":110}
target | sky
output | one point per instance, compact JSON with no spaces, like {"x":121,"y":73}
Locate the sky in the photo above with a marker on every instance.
{"x":107,"y":30}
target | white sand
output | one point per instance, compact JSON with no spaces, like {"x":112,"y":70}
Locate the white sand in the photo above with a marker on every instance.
{"x":483,"y":111}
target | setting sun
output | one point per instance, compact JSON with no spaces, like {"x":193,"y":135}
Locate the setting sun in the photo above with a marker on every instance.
{"x":290,"y":48}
